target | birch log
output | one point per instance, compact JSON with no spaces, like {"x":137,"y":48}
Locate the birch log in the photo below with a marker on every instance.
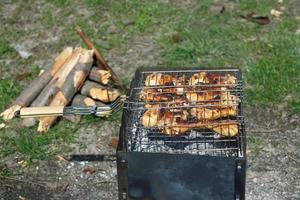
{"x":69,"y":87}
{"x":36,"y":86}
{"x":99,"y":75}
{"x":99,"y":92}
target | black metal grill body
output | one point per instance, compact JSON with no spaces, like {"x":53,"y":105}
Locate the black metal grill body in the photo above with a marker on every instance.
{"x":214,"y":171}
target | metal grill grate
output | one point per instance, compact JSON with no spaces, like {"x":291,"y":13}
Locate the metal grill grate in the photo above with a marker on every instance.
{"x":185,"y":111}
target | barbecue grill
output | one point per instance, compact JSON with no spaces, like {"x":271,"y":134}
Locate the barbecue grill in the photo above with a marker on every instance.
{"x":176,"y":159}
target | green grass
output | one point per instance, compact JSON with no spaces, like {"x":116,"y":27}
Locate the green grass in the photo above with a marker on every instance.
{"x":9,"y":91}
{"x":5,"y":48}
{"x":268,"y":55}
{"x":47,"y":18}
{"x":93,"y":2}
{"x":256,"y":143}
{"x":4,"y":171}
{"x":60,"y":3}
{"x":35,"y":145}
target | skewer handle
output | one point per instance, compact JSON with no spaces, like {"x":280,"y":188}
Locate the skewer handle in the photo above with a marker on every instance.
{"x":42,"y":111}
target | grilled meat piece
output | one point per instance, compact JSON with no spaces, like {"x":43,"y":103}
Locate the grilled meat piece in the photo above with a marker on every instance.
{"x":204,"y":78}
{"x":203,"y":113}
{"x":176,"y":123}
{"x":221,"y":97}
{"x":159,"y":79}
{"x":166,"y":94}
{"x":227,"y":129}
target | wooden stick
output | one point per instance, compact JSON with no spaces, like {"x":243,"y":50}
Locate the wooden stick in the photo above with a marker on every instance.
{"x":72,"y":84}
{"x":99,"y":58}
{"x":38,"y":111}
{"x":99,"y":92}
{"x":36,"y":86}
{"x":99,"y":75}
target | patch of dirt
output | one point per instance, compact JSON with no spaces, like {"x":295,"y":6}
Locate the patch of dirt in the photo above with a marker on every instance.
{"x":273,"y":162}
{"x":142,"y":51}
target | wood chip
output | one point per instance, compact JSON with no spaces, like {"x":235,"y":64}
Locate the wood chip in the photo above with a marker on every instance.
{"x":114,"y":142}
{"x":2,"y":125}
{"x":89,"y":170}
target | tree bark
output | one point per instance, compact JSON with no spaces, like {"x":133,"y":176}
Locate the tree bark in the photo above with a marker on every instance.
{"x":99,"y":75}
{"x":99,"y":92}
{"x":36,"y":86}
{"x":69,"y":87}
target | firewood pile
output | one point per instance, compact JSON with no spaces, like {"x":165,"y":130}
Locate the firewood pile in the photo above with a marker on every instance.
{"x":78,"y":77}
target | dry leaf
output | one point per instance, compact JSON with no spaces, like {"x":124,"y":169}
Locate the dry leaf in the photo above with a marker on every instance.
{"x":2,"y":125}
{"x":89,"y":170}
{"x":217,"y":7}
{"x":276,"y":13}
{"x":20,"y":77}
{"x":60,"y":158}
{"x":114,"y":142}
{"x":63,"y":188}
{"x":252,"y":17}
{"x":23,"y":163}
{"x":282,"y":8}
{"x":41,"y":72}
{"x":176,"y":37}
{"x":21,"y":198}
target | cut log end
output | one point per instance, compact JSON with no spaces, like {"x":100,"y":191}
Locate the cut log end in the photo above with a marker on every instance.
{"x":9,"y":113}
{"x":89,"y":102}
{"x":99,"y":75}
{"x":44,"y":126}
{"x":104,"y":76}
{"x":104,"y":95}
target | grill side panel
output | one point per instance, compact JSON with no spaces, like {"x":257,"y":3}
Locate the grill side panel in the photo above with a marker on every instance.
{"x":157,"y":176}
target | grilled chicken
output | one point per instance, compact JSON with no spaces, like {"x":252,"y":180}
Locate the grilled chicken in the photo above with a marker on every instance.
{"x":227,"y":129}
{"x":204,"y":78}
{"x":166,"y":94}
{"x":176,"y":123}
{"x":223,"y":97}
{"x":159,"y":79}
{"x":203,"y":113}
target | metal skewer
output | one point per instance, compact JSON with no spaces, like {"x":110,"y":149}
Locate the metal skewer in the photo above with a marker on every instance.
{"x":51,"y":111}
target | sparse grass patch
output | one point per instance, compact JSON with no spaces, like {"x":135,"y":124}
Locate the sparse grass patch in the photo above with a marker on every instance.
{"x":36,"y":145}
{"x":8,"y":90}
{"x":294,"y":106}
{"x":93,"y":2}
{"x":5,"y":48}
{"x":48,"y":18}
{"x":60,"y":3}
{"x":4,"y":171}
{"x":256,"y":142}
